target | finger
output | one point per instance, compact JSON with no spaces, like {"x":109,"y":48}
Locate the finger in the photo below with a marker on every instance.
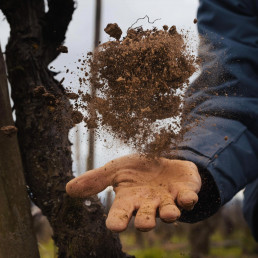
{"x":168,"y":211}
{"x":90,"y":183}
{"x":119,"y":214}
{"x":187,"y":199}
{"x":145,"y":218}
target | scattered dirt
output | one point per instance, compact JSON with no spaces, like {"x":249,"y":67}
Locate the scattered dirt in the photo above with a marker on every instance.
{"x":165,"y":27}
{"x":62,"y":49}
{"x":72,"y":95}
{"x":195,"y":21}
{"x":137,"y":82}
{"x":77,"y":117}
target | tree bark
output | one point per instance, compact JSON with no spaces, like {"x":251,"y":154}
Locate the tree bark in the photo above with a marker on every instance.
{"x":17,"y":238}
{"x":44,"y":118}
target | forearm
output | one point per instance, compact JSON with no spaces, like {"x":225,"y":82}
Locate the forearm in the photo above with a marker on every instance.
{"x":224,"y":102}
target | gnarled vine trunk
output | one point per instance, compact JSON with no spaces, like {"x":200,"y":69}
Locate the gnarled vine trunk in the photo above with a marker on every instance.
{"x":17,"y":238}
{"x":44,"y":118}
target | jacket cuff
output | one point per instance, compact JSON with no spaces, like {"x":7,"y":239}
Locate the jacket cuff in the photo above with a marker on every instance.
{"x":209,"y":197}
{"x":225,"y":165}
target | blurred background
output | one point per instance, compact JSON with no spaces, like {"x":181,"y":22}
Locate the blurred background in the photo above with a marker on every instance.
{"x":223,"y":235}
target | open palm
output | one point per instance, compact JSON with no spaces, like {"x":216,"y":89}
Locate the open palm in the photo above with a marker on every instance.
{"x":149,"y":186}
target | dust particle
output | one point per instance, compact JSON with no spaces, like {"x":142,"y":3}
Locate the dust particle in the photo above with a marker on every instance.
{"x":62,"y":49}
{"x":72,"y":95}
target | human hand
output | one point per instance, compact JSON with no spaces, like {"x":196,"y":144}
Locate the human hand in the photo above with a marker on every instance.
{"x":144,"y":185}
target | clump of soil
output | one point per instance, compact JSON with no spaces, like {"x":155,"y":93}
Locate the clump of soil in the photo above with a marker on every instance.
{"x":137,"y":82}
{"x":62,"y":49}
{"x":113,"y":30}
{"x":77,"y":117}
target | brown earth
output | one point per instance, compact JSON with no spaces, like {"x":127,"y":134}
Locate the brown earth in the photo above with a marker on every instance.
{"x":137,"y":81}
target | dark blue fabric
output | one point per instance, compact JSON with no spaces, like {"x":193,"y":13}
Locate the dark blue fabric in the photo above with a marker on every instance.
{"x":224,"y":100}
{"x":251,"y":206}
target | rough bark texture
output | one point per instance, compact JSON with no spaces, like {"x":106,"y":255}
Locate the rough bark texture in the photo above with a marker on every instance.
{"x":44,"y":120}
{"x":17,"y":238}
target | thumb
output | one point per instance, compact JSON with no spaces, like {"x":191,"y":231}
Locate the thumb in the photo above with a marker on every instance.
{"x":90,"y":183}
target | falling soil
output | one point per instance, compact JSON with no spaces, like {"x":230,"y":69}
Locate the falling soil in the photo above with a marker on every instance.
{"x":137,"y":82}
{"x":62,"y":49}
{"x":113,"y":30}
{"x":77,"y":117}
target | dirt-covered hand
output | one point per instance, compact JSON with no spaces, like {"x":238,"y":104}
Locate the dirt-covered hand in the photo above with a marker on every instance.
{"x":142,"y":185}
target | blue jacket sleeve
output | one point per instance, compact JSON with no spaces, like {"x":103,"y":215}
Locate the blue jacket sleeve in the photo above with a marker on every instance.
{"x":222,"y":104}
{"x":251,"y":207}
